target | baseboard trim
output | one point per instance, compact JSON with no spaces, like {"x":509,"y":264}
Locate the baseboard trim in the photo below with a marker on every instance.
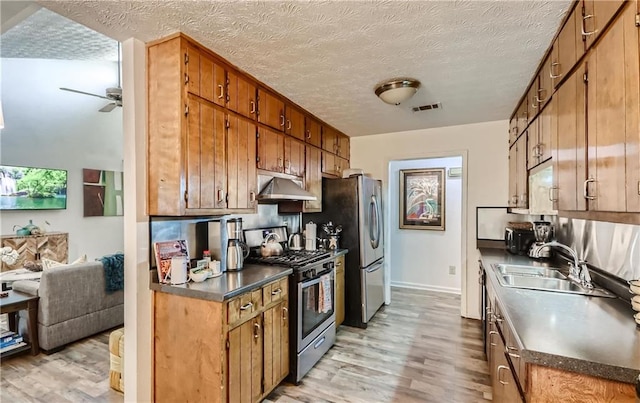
{"x":417,"y":286}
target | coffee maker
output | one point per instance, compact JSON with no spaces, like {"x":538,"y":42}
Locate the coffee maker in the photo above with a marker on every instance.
{"x":225,"y":240}
{"x":543,"y":231}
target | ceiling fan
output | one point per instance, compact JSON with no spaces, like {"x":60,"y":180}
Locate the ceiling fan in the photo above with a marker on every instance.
{"x":113,"y":94}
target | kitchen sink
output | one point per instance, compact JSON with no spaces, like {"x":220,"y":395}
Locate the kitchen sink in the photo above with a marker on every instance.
{"x":543,"y":279}
{"x":529,"y":271}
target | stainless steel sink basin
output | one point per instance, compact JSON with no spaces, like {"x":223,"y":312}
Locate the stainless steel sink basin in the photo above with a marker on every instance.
{"x":543,"y":279}
{"x":529,"y":271}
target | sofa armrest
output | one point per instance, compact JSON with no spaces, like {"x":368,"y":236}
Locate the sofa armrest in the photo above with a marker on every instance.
{"x":27,"y":286}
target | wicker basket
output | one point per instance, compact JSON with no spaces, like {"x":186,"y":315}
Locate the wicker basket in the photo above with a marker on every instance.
{"x":520,"y":225}
{"x":116,"y":354}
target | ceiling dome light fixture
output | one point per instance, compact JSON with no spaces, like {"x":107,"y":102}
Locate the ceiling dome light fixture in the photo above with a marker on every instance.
{"x":396,"y":91}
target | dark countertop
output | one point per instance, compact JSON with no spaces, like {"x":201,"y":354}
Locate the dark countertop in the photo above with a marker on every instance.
{"x":231,"y":284}
{"x":228,"y":285}
{"x":590,"y":335}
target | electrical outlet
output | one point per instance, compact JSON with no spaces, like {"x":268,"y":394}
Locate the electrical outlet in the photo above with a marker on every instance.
{"x":452,"y":270}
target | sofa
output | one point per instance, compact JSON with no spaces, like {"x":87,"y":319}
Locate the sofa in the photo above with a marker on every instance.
{"x":73,"y":304}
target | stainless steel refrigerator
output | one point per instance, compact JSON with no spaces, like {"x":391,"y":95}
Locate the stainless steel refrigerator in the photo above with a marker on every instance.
{"x":356,"y":204}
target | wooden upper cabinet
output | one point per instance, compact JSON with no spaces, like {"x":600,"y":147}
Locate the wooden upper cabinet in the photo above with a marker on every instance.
{"x":613,"y":110}
{"x":343,"y":143}
{"x":313,"y":177}
{"x":205,"y":76}
{"x":533,"y":157}
{"x":569,"y":148}
{"x":294,"y":122}
{"x":596,"y":15}
{"x":205,"y":156}
{"x":313,"y":131}
{"x":329,"y":139}
{"x":270,"y":150}
{"x":513,"y":177}
{"x":241,"y":163}
{"x":241,"y":94}
{"x":545,"y":90}
{"x":533,"y":106}
{"x":293,"y":156}
{"x":521,"y":172}
{"x":546,"y":130}
{"x":270,"y":110}
{"x":568,"y":47}
{"x":329,"y":165}
{"x":513,"y":128}
{"x":523,"y":120}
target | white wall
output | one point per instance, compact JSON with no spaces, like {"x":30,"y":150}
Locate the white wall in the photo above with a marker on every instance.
{"x":49,"y":128}
{"x":485,"y":152}
{"x":421,"y":258}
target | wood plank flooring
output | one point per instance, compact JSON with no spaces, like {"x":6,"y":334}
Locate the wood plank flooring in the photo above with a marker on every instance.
{"x":418,"y":349}
{"x":78,"y":373}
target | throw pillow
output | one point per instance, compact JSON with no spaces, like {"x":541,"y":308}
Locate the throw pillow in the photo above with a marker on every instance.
{"x":50,"y":264}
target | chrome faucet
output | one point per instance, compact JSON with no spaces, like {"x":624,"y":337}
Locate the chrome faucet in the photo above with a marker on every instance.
{"x":578,"y":271}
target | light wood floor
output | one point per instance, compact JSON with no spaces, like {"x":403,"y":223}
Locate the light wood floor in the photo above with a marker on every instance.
{"x":418,"y":349}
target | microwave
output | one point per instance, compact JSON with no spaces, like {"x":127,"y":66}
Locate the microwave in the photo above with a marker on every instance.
{"x":518,"y":241}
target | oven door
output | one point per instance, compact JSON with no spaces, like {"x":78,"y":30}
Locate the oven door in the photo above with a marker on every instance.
{"x":315,"y":315}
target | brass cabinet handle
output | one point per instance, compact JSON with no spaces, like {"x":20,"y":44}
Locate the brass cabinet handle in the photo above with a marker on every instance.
{"x":491,"y":333}
{"x":551,"y":75}
{"x":221,"y":95}
{"x":288,"y":124}
{"x":253,"y":107}
{"x":256,"y":330}
{"x":500,"y":368}
{"x":246,"y":306}
{"x":309,"y":134}
{"x":276,"y":291}
{"x":220,"y":195}
{"x":186,"y":78}
{"x":281,"y":120}
{"x":285,"y":313}
{"x":584,"y":19}
{"x":252,"y":196}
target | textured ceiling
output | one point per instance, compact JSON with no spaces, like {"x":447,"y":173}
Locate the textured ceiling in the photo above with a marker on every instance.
{"x":475,"y":57}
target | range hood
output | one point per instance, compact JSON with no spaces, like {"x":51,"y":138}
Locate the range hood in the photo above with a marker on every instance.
{"x":283,"y":189}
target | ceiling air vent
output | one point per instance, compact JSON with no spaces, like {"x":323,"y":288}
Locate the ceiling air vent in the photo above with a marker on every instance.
{"x":427,"y":107}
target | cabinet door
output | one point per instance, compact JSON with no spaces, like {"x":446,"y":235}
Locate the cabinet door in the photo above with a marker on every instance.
{"x":513,"y":177}
{"x":597,"y":13}
{"x":276,"y":345}
{"x":270,"y":150}
{"x":192,"y":75}
{"x":53,"y":246}
{"x":513,"y":128}
{"x":329,"y":138}
{"x":241,"y":95}
{"x":533,"y":144}
{"x":544,"y":78}
{"x":313,"y":131}
{"x":241,"y":164}
{"x":270,"y":110}
{"x":546,"y":130}
{"x":532,"y":101}
{"x":341,"y":165}
{"x":313,"y":178}
{"x":205,"y":156}
{"x":329,"y":164}
{"x":612,"y":111}
{"x":245,"y":362}
{"x":212,"y":80}
{"x":523,"y":120}
{"x":505,"y":388}
{"x":339,"y":290}
{"x":294,"y":122}
{"x":569,"y":150}
{"x":293,"y":156}
{"x":569,"y":44}
{"x":343,"y":145}
{"x":521,"y":169}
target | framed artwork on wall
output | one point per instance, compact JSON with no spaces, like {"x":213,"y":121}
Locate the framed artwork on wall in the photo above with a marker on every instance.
{"x":103,"y":193}
{"x":422,"y":199}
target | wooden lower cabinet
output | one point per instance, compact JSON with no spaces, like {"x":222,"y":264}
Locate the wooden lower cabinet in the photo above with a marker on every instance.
{"x":340,"y":290}
{"x":233,"y":351}
{"x":33,"y":248}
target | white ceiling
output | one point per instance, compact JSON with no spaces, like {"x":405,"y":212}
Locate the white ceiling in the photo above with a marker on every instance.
{"x":474,"y":57}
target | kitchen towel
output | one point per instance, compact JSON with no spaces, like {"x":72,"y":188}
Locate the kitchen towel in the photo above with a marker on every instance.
{"x":324,"y":298}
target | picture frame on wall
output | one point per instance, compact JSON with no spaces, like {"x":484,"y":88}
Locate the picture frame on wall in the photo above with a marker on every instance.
{"x":422,"y":199}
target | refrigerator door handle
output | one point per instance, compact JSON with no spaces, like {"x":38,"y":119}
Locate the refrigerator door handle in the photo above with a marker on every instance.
{"x":374,"y":237}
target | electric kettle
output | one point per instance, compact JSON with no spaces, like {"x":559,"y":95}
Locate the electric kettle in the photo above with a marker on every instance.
{"x":295,"y":241}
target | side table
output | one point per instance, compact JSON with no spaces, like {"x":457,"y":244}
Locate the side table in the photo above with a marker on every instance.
{"x":18,"y":301}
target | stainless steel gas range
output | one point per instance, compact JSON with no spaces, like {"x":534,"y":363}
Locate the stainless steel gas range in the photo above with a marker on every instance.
{"x":312,"y":299}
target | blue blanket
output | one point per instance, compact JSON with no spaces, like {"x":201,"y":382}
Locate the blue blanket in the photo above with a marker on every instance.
{"x":113,"y":272}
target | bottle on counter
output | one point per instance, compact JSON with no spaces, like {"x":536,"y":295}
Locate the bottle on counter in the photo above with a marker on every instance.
{"x":206,"y":255}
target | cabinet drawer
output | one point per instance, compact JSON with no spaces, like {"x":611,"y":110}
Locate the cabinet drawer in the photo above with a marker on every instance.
{"x":244,"y":306}
{"x":275,"y":291}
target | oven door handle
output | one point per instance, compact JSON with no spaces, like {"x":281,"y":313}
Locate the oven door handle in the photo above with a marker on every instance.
{"x":315,"y":280}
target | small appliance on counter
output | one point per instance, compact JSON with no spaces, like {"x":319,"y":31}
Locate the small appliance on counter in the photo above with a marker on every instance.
{"x":543,"y":231}
{"x":518,"y":237}
{"x":237,"y":250}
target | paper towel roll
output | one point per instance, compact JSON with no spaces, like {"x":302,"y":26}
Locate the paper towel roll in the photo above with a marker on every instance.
{"x":310,"y":236}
